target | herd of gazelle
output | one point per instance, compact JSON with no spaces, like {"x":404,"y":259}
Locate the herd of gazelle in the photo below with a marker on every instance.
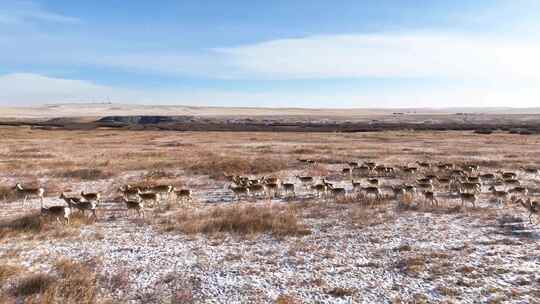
{"x":135,"y":198}
{"x":465,"y":182}
{"x":425,"y":179}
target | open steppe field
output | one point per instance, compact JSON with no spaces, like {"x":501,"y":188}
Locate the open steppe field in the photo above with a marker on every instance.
{"x":387,"y":217}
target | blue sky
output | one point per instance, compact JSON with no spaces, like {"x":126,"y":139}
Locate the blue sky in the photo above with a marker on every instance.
{"x":271,"y":53}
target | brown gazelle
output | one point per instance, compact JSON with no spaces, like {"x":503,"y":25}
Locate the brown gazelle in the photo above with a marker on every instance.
{"x":183,"y":195}
{"x":372,"y":191}
{"x":160,"y":190}
{"x":532,"y":206}
{"x":56,"y":212}
{"x":501,"y":196}
{"x":91,"y":197}
{"x":288,"y":189}
{"x":305,"y":180}
{"x":430,"y":197}
{"x":238,"y":191}
{"x":82,"y":206}
{"x":149,"y":197}
{"x":29,"y":193}
{"x":468,"y":197}
{"x":134,"y":205}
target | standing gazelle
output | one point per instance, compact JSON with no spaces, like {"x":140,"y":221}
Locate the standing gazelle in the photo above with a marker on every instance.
{"x":91,"y":197}
{"x":134,"y":205}
{"x":29,"y":192}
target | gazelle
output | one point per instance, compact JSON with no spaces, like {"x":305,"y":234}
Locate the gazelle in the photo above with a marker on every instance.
{"x":183,"y":195}
{"x":507,"y":175}
{"x":336,"y":191}
{"x":372,"y":191}
{"x":532,"y":171}
{"x":57,"y":212}
{"x":431,"y":197}
{"x":424,"y":165}
{"x":361,"y":170}
{"x":320,"y":189}
{"x":425,"y":180}
{"x":134,"y":205}
{"x":29,"y":193}
{"x":271,"y":189}
{"x":305,"y":180}
{"x":161,"y":190}
{"x":257,"y":190}
{"x":128,"y":191}
{"x":91,"y":196}
{"x":512,"y":182}
{"x":353,"y":164}
{"x":356,"y":185}
{"x":410,"y":189}
{"x":373,"y":181}
{"x":502,"y":196}
{"x":82,"y":206}
{"x":239,"y":191}
{"x":398,"y":191}
{"x":468,"y":197}
{"x":425,"y":186}
{"x":288,"y":188}
{"x":532,"y":206}
{"x":470,"y":187}
{"x":519,"y":190}
{"x":487,"y":177}
{"x":271,"y":180}
{"x":151,"y":197}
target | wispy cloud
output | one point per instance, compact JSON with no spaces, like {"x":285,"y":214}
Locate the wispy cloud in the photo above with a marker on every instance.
{"x":25,"y":88}
{"x":389,"y":55}
{"x":17,"y":12}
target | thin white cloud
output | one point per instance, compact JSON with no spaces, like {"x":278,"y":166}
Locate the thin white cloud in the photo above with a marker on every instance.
{"x":389,"y":55}
{"x":26,"y":89}
{"x":17,"y":12}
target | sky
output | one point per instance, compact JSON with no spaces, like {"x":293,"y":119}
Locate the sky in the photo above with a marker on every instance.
{"x":280,"y":53}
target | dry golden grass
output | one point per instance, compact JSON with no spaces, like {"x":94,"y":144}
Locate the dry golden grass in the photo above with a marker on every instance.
{"x":34,"y":225}
{"x":241,"y":220}
{"x":75,"y":283}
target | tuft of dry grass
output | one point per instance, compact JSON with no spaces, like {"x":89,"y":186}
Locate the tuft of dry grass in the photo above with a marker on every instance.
{"x":33,"y":284}
{"x":241,"y":220}
{"x":8,"y":271}
{"x":7,"y":194}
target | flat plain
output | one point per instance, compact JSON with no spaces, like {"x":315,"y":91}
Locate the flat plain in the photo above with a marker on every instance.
{"x":269,"y":247}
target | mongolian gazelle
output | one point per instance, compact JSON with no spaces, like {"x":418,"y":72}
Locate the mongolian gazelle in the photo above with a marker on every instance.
{"x":532,"y":206}
{"x":77,"y":203}
{"x":57,"y":212}
{"x":502,"y":196}
{"x":91,"y":196}
{"x":29,"y":192}
{"x":468,"y":197}
{"x":148,"y":197}
{"x":134,"y":205}
{"x":183,"y":195}
{"x":288,"y":188}
{"x":239,"y":191}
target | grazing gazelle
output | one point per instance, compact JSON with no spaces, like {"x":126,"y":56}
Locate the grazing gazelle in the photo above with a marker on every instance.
{"x":519,"y":190}
{"x":257,"y":190}
{"x":507,"y":175}
{"x":29,"y":192}
{"x":183,"y":195}
{"x":134,"y":205}
{"x":151,"y":197}
{"x":91,"y":196}
{"x":57,"y":212}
